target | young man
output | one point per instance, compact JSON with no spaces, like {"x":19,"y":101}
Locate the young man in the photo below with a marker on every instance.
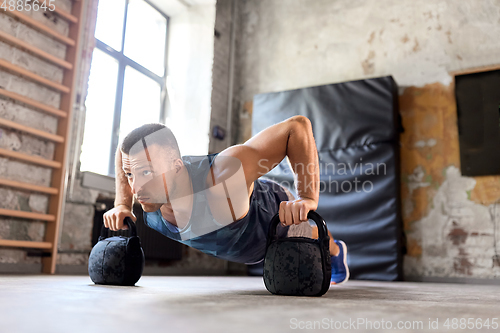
{"x":217,"y":203}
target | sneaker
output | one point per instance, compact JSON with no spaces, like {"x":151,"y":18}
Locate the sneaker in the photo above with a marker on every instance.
{"x":340,"y":271}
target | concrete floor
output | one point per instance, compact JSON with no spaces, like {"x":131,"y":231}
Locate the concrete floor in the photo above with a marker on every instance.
{"x":74,"y":304}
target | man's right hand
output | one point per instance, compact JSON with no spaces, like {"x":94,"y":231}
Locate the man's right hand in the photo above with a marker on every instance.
{"x":113,"y":218}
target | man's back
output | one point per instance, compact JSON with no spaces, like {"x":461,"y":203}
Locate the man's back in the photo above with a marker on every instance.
{"x":241,"y":240}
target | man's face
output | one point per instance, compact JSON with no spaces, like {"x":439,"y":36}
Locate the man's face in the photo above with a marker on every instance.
{"x":150,"y":174}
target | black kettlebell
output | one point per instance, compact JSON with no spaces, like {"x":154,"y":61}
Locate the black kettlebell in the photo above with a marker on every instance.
{"x":117,"y":260}
{"x":298,"y":266}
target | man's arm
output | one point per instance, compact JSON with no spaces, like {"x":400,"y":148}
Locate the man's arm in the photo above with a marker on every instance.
{"x":292,"y":138}
{"x":113,"y":219}
{"x":123,"y":193}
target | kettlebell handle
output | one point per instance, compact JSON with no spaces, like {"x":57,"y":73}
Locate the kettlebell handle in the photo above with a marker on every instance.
{"x":128,"y":221}
{"x":312,"y":215}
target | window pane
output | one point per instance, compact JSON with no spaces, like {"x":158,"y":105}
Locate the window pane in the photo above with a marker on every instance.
{"x":100,"y":104}
{"x":109,"y":25}
{"x":140,"y":103}
{"x":145,"y":36}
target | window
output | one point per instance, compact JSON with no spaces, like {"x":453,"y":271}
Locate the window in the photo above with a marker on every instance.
{"x":127,"y":78}
{"x":478,"y":106}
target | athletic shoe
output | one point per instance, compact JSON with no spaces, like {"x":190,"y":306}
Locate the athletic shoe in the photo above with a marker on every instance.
{"x":340,"y":271}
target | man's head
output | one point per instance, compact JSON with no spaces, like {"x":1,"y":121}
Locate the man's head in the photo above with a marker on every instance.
{"x":150,"y":160}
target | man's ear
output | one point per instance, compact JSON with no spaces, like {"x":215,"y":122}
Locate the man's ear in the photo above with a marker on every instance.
{"x":178,"y":164}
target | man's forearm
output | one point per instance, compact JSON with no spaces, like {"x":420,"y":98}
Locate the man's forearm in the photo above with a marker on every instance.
{"x":303,"y":157}
{"x":123,"y":194}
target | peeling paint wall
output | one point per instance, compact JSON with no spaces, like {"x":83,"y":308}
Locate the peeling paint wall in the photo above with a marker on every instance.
{"x":449,"y":219}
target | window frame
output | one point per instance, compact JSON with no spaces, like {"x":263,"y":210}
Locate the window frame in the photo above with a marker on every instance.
{"x":123,"y":62}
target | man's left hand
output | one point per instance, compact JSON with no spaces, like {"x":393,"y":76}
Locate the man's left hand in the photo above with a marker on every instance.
{"x":295,"y":211}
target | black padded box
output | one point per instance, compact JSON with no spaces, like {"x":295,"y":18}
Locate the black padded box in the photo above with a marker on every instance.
{"x":356,"y":126}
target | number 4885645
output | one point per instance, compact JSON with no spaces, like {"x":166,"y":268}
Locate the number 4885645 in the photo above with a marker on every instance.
{"x":471,"y":323}
{"x":27,"y":5}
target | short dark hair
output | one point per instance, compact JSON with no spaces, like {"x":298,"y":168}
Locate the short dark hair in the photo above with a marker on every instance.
{"x":167,"y":139}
